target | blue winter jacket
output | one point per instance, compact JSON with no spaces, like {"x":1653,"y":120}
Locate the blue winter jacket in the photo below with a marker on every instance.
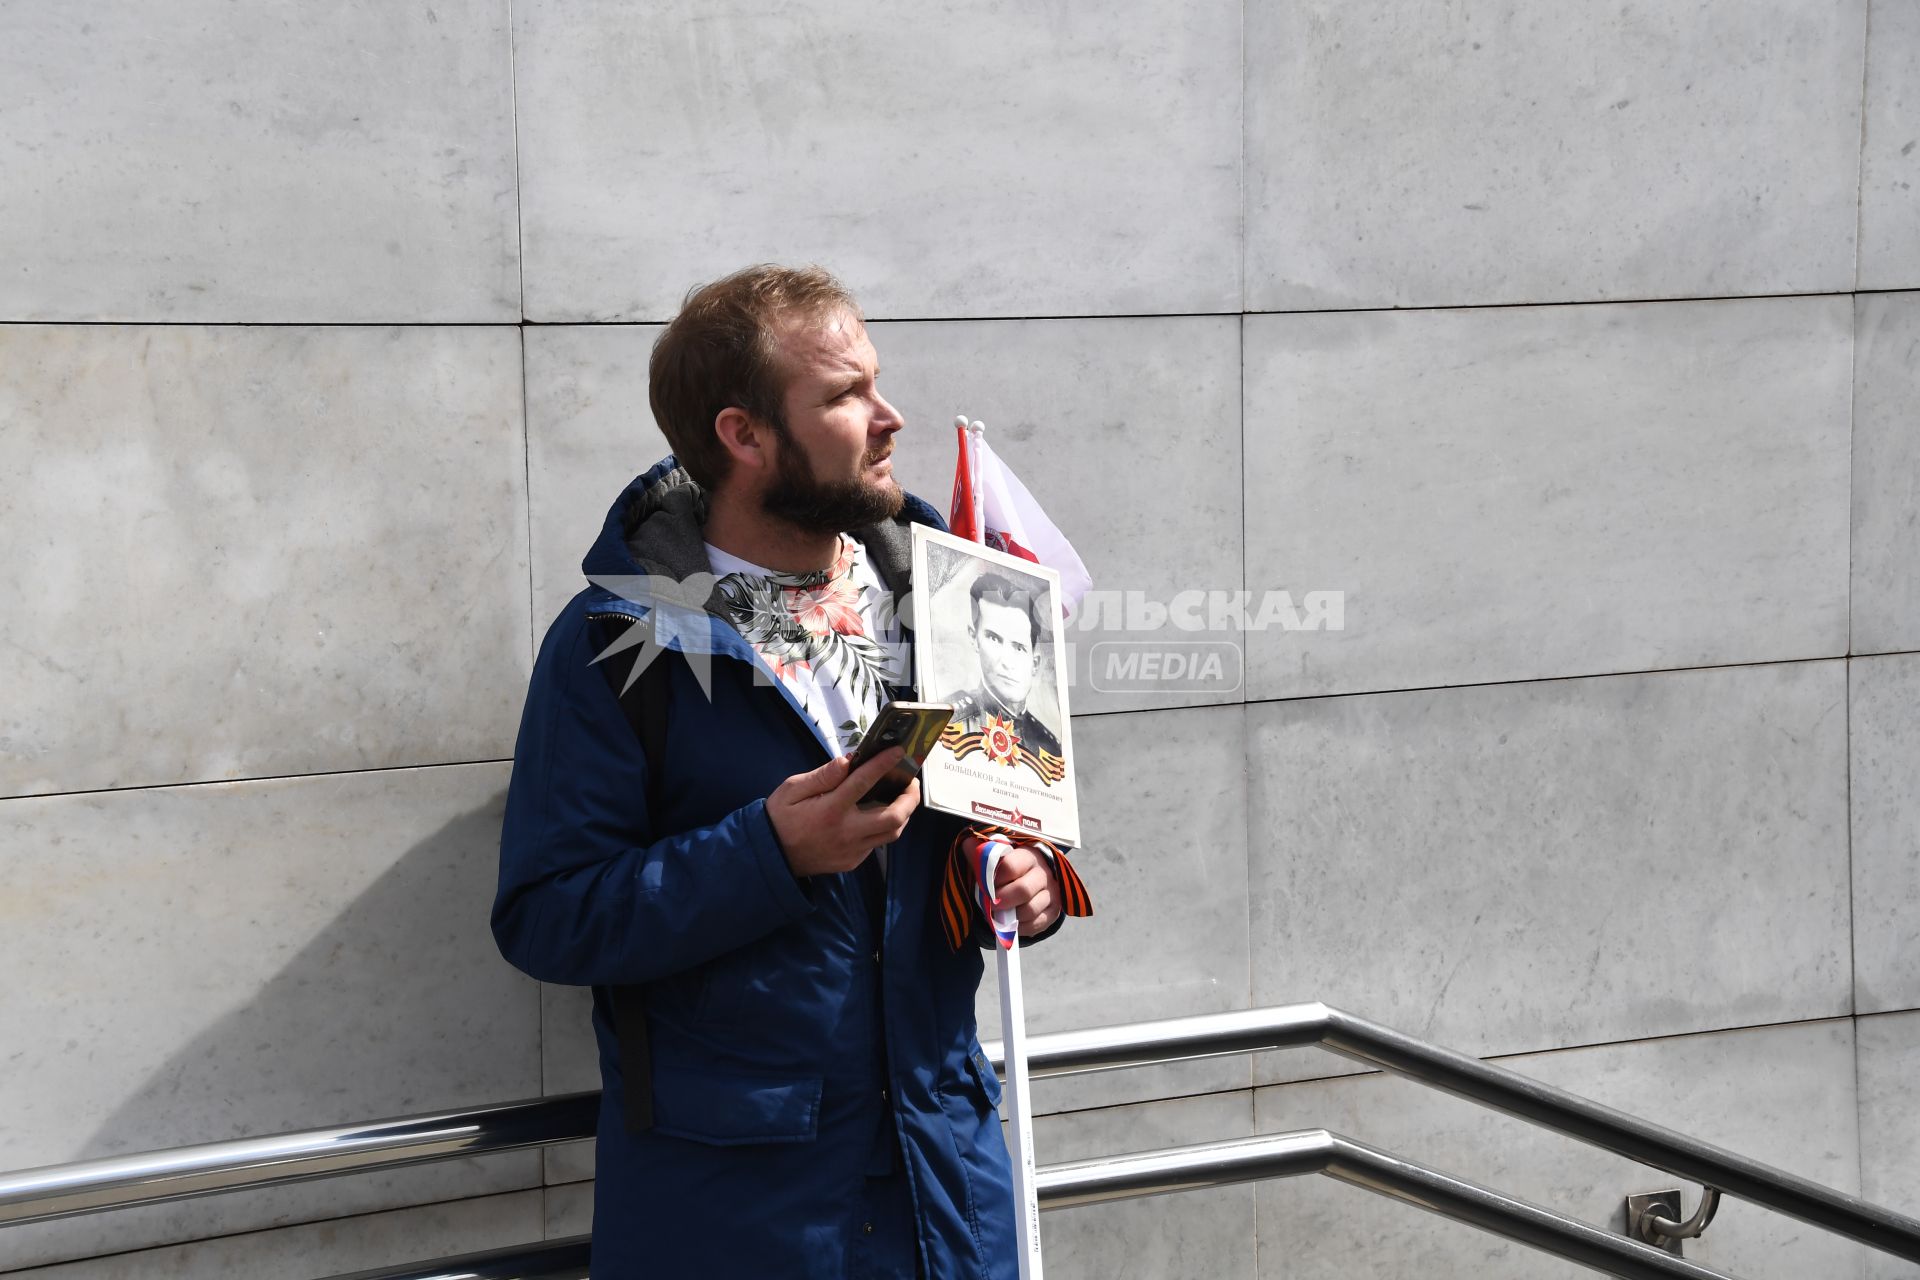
{"x":798,"y":1027}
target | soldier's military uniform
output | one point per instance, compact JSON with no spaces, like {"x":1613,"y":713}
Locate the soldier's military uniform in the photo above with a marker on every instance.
{"x":972,"y":710}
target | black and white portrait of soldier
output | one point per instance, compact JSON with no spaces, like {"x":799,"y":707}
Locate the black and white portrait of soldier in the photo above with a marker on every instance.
{"x":1010,"y":633}
{"x":988,"y":638}
{"x":994,"y":653}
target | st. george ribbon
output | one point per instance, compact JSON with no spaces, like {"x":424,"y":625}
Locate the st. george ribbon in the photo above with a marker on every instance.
{"x":1013,"y":1012}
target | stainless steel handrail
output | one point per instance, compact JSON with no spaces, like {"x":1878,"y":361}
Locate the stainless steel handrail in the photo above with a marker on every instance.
{"x":115,"y":1182}
{"x":1287,"y":1155}
{"x":1288,"y":1026}
{"x":1200,"y":1168}
{"x":36,"y":1194}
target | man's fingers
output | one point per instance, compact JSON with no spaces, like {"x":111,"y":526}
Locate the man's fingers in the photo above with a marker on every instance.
{"x":1029,"y":893}
{"x":1022,"y":889}
{"x":1038,"y":909}
{"x":905,"y":803}
{"x":818,"y":782}
{"x":1025,"y":885}
{"x":861,"y":780}
{"x":884,"y":825}
{"x":1017,"y":862}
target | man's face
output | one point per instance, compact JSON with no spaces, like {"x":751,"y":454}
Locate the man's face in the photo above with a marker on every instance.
{"x":1004,"y":635}
{"x":832,"y":471}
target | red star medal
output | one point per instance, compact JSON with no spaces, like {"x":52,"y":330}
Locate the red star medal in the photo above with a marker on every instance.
{"x":1000,"y":742}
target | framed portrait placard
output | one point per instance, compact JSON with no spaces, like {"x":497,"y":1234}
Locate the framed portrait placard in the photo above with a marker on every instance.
{"x":988,"y":638}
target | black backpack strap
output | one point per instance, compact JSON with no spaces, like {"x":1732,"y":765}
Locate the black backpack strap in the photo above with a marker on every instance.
{"x":645,"y":705}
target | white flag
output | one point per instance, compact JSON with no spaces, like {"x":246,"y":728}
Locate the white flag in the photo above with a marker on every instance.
{"x":1014,"y":521}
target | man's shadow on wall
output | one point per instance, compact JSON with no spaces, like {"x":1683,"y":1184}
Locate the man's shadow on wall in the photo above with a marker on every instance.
{"x":400,"y":1004}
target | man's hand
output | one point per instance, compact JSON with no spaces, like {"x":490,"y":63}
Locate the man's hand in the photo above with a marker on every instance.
{"x":1022,"y":881}
{"x":817,"y":816}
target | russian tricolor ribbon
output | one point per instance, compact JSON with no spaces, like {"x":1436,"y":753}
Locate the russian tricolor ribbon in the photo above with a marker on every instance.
{"x":1006,"y":925}
{"x":971,"y":861}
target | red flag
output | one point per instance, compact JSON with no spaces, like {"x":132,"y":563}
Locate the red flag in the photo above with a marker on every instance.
{"x":960,"y":518}
{"x":1013,"y":521}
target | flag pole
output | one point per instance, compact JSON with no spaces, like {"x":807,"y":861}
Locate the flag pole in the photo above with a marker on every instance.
{"x":1013,"y":1013}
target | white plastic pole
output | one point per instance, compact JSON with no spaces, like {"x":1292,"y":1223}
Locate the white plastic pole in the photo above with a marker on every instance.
{"x":1017,"y":1103}
{"x":1013,"y":1034}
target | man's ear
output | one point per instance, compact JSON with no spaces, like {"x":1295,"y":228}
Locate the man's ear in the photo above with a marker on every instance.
{"x":747,"y":440}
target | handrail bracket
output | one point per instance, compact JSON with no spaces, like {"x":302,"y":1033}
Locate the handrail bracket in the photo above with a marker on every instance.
{"x":1654,"y":1217}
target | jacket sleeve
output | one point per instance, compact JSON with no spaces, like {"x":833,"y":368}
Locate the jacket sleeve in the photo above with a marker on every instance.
{"x":586,"y":896}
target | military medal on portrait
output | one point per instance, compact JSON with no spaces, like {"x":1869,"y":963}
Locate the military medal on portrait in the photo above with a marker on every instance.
{"x":988,"y":638}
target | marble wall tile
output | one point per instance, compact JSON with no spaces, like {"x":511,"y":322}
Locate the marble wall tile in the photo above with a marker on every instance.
{"x":1886,"y":472}
{"x":1890,"y":1124}
{"x":962,"y":160}
{"x":249,"y":551}
{"x":192,"y":964}
{"x":326,"y":1248}
{"x":266,"y":162}
{"x":1515,"y":493}
{"x":569,"y":1210}
{"x":1884,"y":744}
{"x":1890,"y":149}
{"x":1127,"y":432}
{"x":590,"y":431}
{"x":1199,"y":1233}
{"x":1783,"y":1095}
{"x":569,"y":1063}
{"x":1493,"y":151}
{"x":1163,"y":799}
{"x":1491,"y":868}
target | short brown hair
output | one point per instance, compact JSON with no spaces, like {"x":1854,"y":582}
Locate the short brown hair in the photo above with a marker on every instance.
{"x":722,"y":352}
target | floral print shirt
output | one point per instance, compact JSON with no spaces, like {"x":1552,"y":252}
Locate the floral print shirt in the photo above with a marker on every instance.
{"x":830,"y":637}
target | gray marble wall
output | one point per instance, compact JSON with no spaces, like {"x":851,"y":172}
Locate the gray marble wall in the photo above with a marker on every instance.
{"x":1577,"y":345}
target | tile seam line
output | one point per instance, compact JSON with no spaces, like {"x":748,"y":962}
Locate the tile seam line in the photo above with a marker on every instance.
{"x":520,"y":259}
{"x":1853,"y":950}
{"x":1846,"y":681}
{"x":1842,"y":291}
{"x":1506,"y":1056}
{"x":189,"y":1243}
{"x":1412,"y":309}
{"x":513,"y":116}
{"x":1860,"y":151}
{"x":1500,"y":684}
{"x":268,"y":777}
{"x":1494,"y":1058}
{"x":642,"y":322}
{"x":1198,"y":706}
{"x":526,"y":496}
{"x":1904,"y":1012}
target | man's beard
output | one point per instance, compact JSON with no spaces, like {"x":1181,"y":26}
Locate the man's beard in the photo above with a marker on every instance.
{"x":835,"y":506}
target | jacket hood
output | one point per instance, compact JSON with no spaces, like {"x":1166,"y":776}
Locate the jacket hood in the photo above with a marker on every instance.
{"x":655,"y":527}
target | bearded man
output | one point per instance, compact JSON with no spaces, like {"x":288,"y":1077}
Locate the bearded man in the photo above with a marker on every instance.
{"x":793,"y":1085}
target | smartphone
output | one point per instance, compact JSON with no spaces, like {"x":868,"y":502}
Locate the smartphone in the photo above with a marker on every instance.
{"x":913,"y":725}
